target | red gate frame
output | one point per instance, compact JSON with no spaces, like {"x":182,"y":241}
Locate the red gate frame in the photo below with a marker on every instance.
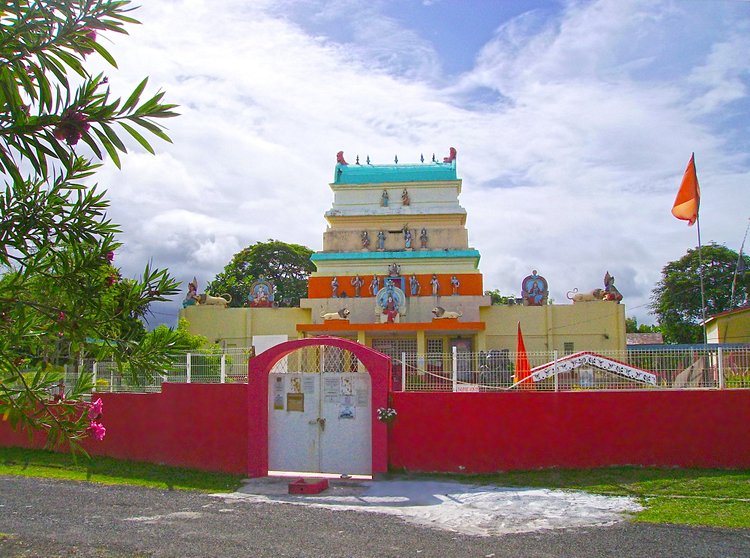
{"x":377,"y":364}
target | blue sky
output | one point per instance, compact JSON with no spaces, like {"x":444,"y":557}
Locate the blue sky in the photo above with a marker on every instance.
{"x":573,"y":121}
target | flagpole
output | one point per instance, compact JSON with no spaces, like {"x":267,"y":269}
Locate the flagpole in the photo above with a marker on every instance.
{"x":737,"y":267}
{"x":700,"y":274}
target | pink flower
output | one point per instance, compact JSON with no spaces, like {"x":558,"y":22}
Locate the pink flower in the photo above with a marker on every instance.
{"x":71,"y":127}
{"x":110,"y":255}
{"x":61,"y":316}
{"x":111,"y":280}
{"x":95,"y":409}
{"x":90,"y":34}
{"x":97,"y":430}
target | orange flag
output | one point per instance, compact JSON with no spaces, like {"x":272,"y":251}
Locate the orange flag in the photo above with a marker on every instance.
{"x":523,"y":368}
{"x":689,"y":195}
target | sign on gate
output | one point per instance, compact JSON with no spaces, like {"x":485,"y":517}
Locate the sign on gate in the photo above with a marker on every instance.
{"x":320,"y":422}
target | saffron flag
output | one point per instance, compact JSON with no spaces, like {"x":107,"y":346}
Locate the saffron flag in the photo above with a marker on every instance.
{"x":688,"y":196}
{"x":523,"y":368}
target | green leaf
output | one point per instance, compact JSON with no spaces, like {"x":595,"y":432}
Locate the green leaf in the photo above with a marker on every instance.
{"x":134,"y":96}
{"x":138,"y":137}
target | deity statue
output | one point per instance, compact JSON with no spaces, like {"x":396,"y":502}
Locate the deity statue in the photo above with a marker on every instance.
{"x":455,"y":283}
{"x":335,"y":287}
{"x":357,"y":282}
{"x":384,"y":199}
{"x":435,"y":283}
{"x":423,"y":237}
{"x":414,"y":284}
{"x":365,"y":236}
{"x":405,"y":197}
{"x":381,"y":240}
{"x":610,"y":291}
{"x":191,"y":298}
{"x":407,"y":239}
{"x":394,"y":270}
{"x":374,"y":285}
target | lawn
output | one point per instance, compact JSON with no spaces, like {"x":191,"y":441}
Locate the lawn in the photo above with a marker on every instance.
{"x":105,"y":470}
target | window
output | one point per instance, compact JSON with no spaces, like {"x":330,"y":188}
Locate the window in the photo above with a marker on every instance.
{"x":568,"y":347}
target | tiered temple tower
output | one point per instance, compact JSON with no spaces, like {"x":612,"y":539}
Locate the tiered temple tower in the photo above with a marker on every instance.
{"x":396,"y":270}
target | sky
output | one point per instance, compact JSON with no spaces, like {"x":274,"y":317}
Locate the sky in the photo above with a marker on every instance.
{"x":573,"y":121}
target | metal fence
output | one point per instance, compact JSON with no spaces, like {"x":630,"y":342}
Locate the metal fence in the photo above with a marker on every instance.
{"x":709,"y":368}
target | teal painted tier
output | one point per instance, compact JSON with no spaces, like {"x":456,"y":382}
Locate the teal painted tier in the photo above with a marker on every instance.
{"x":376,"y":174}
{"x":400,"y":255}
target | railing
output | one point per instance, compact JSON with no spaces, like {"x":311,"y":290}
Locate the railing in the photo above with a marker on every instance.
{"x":549,"y":371}
{"x":697,"y":368}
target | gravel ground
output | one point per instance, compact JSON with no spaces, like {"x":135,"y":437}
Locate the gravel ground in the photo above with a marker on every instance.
{"x":48,"y":518}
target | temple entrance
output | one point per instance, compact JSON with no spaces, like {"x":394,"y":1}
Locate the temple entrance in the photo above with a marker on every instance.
{"x":320,"y":413}
{"x":312,"y":407}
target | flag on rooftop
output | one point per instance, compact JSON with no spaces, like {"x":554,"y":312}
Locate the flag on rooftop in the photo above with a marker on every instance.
{"x":688,"y":198}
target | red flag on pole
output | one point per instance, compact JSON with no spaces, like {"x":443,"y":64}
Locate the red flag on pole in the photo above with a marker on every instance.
{"x":688,"y":196}
{"x":523,"y":368}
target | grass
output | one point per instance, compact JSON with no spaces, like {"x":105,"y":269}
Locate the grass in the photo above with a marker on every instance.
{"x":707,"y":497}
{"x":105,"y":470}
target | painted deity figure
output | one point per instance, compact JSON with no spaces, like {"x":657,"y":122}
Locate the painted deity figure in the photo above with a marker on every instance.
{"x":374,"y":285}
{"x":423,"y":237}
{"x":435,"y":284}
{"x":394,"y":270}
{"x":455,"y":283}
{"x":335,"y":287}
{"x":191,"y":298}
{"x":381,"y":240}
{"x":407,"y":239}
{"x":365,"y":236}
{"x":405,"y":200}
{"x":384,"y":199}
{"x":414,"y":284}
{"x":357,"y":283}
{"x":610,"y":291}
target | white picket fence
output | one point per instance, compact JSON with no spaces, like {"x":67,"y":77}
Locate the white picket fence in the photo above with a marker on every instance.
{"x":697,"y":368}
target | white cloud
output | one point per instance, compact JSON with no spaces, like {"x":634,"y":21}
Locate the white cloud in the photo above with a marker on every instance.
{"x":571,"y":170}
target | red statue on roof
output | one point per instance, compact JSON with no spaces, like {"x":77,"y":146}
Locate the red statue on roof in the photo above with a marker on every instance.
{"x":340,"y":158}
{"x":452,"y":157}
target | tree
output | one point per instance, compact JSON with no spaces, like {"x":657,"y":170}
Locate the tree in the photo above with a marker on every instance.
{"x":61,"y":298}
{"x":287,"y":266}
{"x":498,"y":298}
{"x":676,"y":299}
{"x":632,"y":326}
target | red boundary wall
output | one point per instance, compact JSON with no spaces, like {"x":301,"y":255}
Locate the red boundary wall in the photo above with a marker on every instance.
{"x":205,"y":426}
{"x":483,"y":432}
{"x":201,"y":426}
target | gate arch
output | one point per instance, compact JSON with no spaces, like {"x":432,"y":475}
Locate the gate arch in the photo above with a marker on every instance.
{"x":377,"y":365}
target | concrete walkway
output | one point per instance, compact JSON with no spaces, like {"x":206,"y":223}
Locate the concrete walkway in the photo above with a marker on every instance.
{"x":456,"y":507}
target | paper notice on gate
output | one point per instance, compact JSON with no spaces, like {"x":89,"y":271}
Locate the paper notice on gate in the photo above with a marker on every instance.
{"x":308,"y":384}
{"x":331,"y":389}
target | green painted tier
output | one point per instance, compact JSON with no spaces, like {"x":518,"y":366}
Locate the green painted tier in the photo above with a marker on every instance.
{"x":383,"y":174}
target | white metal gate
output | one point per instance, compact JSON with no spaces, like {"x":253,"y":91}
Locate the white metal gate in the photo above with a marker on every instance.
{"x":319,"y":413}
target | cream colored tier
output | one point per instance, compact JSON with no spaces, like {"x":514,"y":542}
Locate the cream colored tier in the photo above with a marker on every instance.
{"x":418,"y":308}
{"x":350,"y":240}
{"x":424,"y":198}
{"x":350,"y":268}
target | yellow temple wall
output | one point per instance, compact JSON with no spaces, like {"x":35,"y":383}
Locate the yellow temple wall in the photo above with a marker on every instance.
{"x":592,"y":326}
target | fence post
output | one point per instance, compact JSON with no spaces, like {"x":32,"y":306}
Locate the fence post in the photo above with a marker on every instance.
{"x":93,"y":373}
{"x":187,"y":366}
{"x":403,"y":371}
{"x":223,"y":368}
{"x":557,"y":381}
{"x":721,"y":369}
{"x":455,"y":367}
